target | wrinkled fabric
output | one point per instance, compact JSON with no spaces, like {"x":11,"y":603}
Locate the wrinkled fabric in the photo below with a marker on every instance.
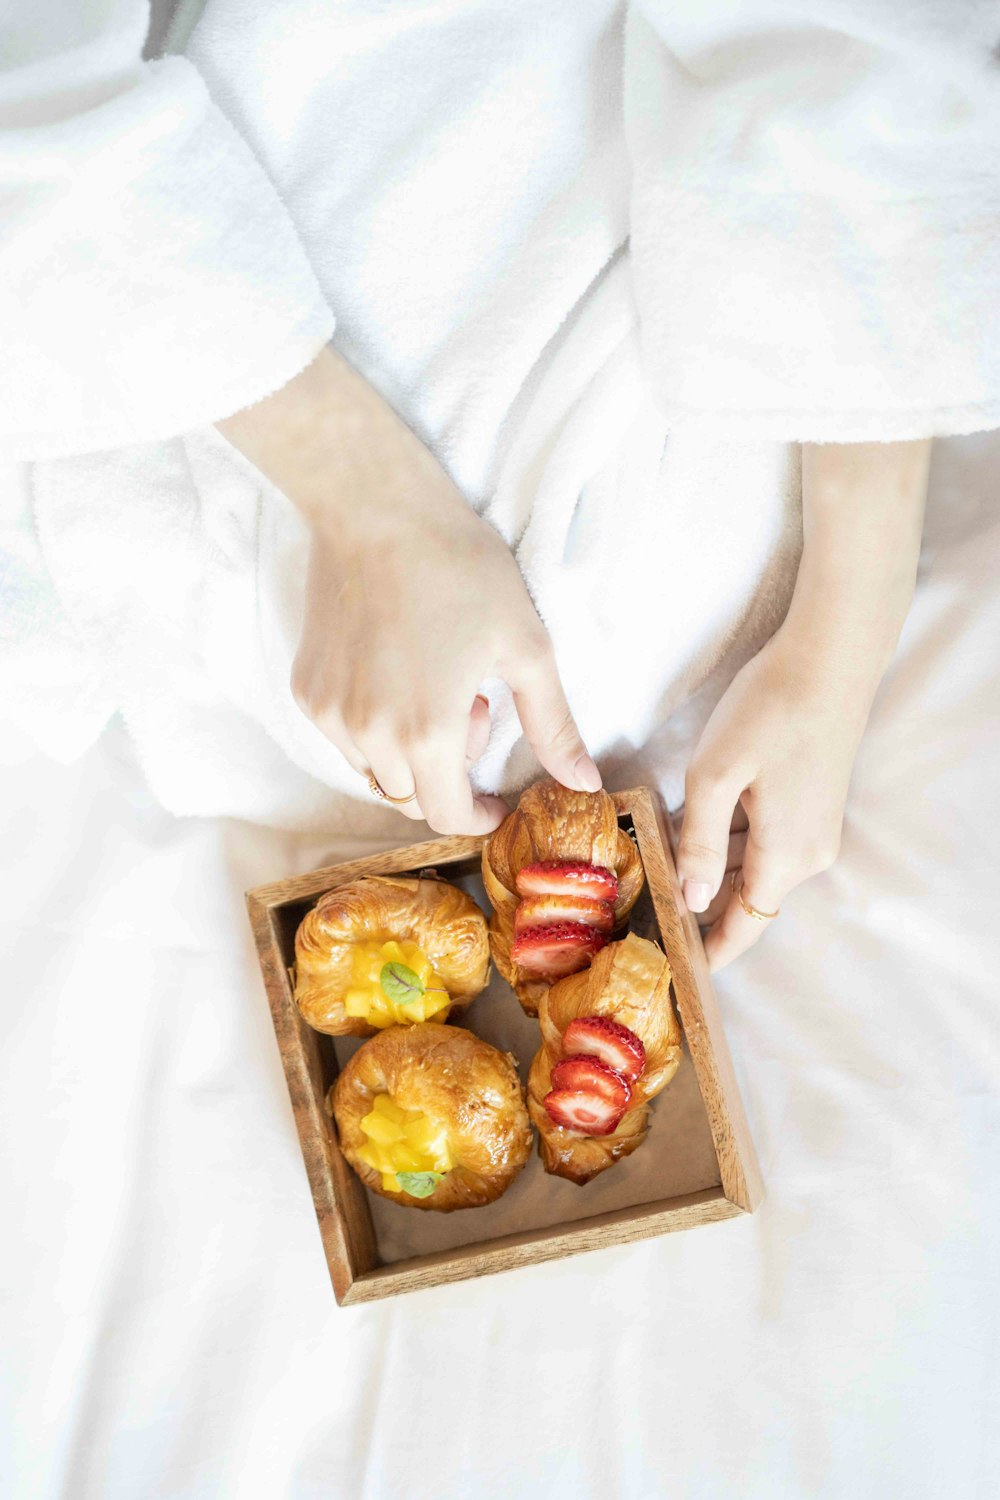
{"x":169,"y":1329}
{"x":541,"y":254}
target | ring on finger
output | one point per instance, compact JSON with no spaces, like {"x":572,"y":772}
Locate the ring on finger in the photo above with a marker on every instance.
{"x":751,"y":911}
{"x":380,"y":792}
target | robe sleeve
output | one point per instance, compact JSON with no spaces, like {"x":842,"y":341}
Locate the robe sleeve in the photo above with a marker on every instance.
{"x":815,"y":215}
{"x":151,"y":279}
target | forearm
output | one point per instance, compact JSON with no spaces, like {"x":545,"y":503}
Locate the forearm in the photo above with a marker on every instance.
{"x":863,"y":509}
{"x":340,"y":453}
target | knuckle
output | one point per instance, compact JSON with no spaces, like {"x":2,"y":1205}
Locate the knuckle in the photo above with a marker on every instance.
{"x":356,"y":728}
{"x":410,"y":739}
{"x":694,"y":851}
{"x":366,"y":722}
{"x":563,"y":733}
{"x":703,"y":780}
{"x":478,"y":547}
{"x":444,"y":821}
{"x":536,"y":650}
{"x":301,"y":690}
{"x":419,"y":739}
{"x":824,"y":853}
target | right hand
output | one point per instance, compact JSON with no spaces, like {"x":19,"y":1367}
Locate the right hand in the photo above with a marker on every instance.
{"x":411,"y":601}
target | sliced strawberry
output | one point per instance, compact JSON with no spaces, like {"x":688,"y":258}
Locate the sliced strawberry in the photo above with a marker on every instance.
{"x":566,"y":877}
{"x":583,"y":1112}
{"x":614,"y":1044}
{"x":541,"y":911}
{"x":556,"y":950}
{"x":591,"y":1076}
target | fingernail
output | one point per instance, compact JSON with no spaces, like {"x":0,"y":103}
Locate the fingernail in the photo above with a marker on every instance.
{"x":697,"y":894}
{"x":482,"y":698}
{"x":587,"y":774}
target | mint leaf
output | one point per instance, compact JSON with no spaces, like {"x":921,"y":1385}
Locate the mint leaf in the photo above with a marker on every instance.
{"x":419,"y":1184}
{"x":400,"y":983}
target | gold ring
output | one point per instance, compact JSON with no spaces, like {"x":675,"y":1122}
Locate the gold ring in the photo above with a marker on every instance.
{"x":751,"y":911}
{"x":383,"y":795}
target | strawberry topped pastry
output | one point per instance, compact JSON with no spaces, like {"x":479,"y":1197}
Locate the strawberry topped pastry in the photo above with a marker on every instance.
{"x":561,"y":876}
{"x":610,"y":1042}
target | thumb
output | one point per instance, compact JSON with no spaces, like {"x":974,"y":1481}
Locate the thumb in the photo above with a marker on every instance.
{"x":548,"y":723}
{"x":709,"y":801}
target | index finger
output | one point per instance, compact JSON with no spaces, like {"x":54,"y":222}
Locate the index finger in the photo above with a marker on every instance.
{"x":548,"y":723}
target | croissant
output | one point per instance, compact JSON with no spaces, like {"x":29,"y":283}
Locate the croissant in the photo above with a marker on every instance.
{"x":432,"y":1117}
{"x":432,"y":935}
{"x":576,"y":836}
{"x":591,"y":1023}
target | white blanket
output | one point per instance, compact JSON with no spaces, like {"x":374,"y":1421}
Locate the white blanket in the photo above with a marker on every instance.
{"x":168,"y":1328}
{"x":608,"y":261}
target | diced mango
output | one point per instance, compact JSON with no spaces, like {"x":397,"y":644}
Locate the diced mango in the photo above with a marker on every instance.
{"x":384,"y":1105}
{"x":424,"y":1135}
{"x":402,"y":1140}
{"x":436,"y":1001}
{"x":378,"y":1127}
{"x":366,"y":999}
{"x":406,"y":1159}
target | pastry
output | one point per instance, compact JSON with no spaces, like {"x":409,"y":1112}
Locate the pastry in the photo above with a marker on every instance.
{"x":610,"y":1042}
{"x":561,"y":876}
{"x":432,"y":1116}
{"x":389,"y":950}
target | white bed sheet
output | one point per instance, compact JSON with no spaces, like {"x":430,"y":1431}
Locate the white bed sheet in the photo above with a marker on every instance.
{"x":168,"y":1328}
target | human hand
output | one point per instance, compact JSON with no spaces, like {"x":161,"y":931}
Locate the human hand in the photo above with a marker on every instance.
{"x":765,"y":792}
{"x":410,"y":602}
{"x":767,"y":785}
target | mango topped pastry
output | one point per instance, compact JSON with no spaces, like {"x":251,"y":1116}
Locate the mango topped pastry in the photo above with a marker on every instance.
{"x":432,"y":1117}
{"x":561,"y":875}
{"x":389,"y":950}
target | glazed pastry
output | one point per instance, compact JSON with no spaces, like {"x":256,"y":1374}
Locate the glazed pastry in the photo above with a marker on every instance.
{"x":560,"y":875}
{"x":610,"y":1042}
{"x":389,"y":950}
{"x":432,"y":1116}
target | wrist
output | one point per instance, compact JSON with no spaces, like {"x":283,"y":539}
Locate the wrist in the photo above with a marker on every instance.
{"x":862,"y":518}
{"x":343,"y":457}
{"x":842,"y":647}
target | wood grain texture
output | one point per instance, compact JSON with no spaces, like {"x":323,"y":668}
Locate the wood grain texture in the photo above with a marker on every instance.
{"x":345,"y":1221}
{"x":697,"y":1005}
{"x":340,"y":1200}
{"x":622,"y":1227}
{"x":443,"y":851}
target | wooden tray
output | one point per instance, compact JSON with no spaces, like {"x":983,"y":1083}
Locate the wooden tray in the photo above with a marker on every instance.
{"x":371,"y":1255}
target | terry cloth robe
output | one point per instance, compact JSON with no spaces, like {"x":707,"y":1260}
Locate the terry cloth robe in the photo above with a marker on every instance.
{"x":611,"y":262}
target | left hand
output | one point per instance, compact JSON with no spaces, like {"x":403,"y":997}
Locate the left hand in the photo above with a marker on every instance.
{"x":766,"y":789}
{"x":776,"y":756}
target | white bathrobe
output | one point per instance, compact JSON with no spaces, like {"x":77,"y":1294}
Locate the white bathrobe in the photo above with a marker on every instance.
{"x":610,"y":261}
